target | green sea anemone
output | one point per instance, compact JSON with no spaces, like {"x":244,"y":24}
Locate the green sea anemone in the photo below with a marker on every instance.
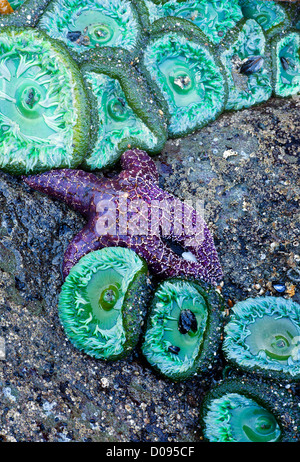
{"x":269,"y":14}
{"x":124,"y":112}
{"x":247,"y":411}
{"x":247,"y":68}
{"x":286,"y":64}
{"x":44,"y":111}
{"x":263,"y":336}
{"x":183,"y":69}
{"x":90,"y":24}
{"x":213,"y":17}
{"x":184,"y":328}
{"x":103,"y":301}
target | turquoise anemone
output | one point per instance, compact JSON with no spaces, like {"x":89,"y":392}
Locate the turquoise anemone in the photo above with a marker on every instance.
{"x":247,"y":411}
{"x":213,"y":17}
{"x":269,"y":14}
{"x":184,"y":70}
{"x":183,"y":329}
{"x":44,"y":109}
{"x":88,"y":24}
{"x":263,"y":336}
{"x":103,"y":301}
{"x":124,"y":112}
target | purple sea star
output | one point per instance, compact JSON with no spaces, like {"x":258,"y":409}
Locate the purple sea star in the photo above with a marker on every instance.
{"x":131,"y":210}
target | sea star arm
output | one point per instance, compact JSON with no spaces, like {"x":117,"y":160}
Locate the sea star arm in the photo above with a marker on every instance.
{"x":193,"y":234}
{"x":164,"y":262}
{"x":75,"y":187}
{"x":84,"y":242}
{"x":178,"y":222}
{"x":138,"y":165}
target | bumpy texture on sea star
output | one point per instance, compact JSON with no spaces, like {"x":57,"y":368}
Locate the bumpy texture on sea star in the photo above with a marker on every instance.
{"x":131,"y":210}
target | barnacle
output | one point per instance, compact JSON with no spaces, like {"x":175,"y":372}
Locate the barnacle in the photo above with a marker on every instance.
{"x":102,"y":302}
{"x":184,"y":69}
{"x":286,"y":64}
{"x":125,"y":114}
{"x":183,"y":330}
{"x":44,"y":116}
{"x":263,"y":336}
{"x":243,"y":410}
{"x":213,"y":17}
{"x":89,"y":24}
{"x":247,"y":69}
{"x":270,"y":15}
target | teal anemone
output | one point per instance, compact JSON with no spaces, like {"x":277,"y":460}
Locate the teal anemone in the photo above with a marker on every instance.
{"x":269,"y":14}
{"x":88,"y":24}
{"x":102,"y":302}
{"x":44,"y":111}
{"x":213,"y":17}
{"x":243,"y":410}
{"x":286,"y":64}
{"x":263,"y":336}
{"x":248,"y":71}
{"x":125,"y":114}
{"x":190,"y":78}
{"x":184,"y":328}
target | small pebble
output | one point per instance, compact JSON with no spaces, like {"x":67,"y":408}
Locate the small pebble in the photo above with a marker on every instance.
{"x":279,"y":287}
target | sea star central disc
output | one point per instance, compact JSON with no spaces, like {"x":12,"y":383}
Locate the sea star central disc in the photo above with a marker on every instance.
{"x":131,"y":210}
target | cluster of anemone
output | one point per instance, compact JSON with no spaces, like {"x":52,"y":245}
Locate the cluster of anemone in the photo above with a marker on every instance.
{"x":135,"y":73}
{"x":108,"y":303}
{"x":108,"y":306}
{"x":262,"y":344}
{"x":80,"y":82}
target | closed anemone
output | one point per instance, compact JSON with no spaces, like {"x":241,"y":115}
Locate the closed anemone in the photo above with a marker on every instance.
{"x":183,"y":330}
{"x":103,"y":301}
{"x":99,"y":23}
{"x":44,"y":111}
{"x":286,"y":64}
{"x":189,"y":77}
{"x":263,"y":336}
{"x":248,"y":71}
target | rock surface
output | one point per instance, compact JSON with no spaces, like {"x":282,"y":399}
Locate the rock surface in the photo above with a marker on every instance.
{"x":244,"y":169}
